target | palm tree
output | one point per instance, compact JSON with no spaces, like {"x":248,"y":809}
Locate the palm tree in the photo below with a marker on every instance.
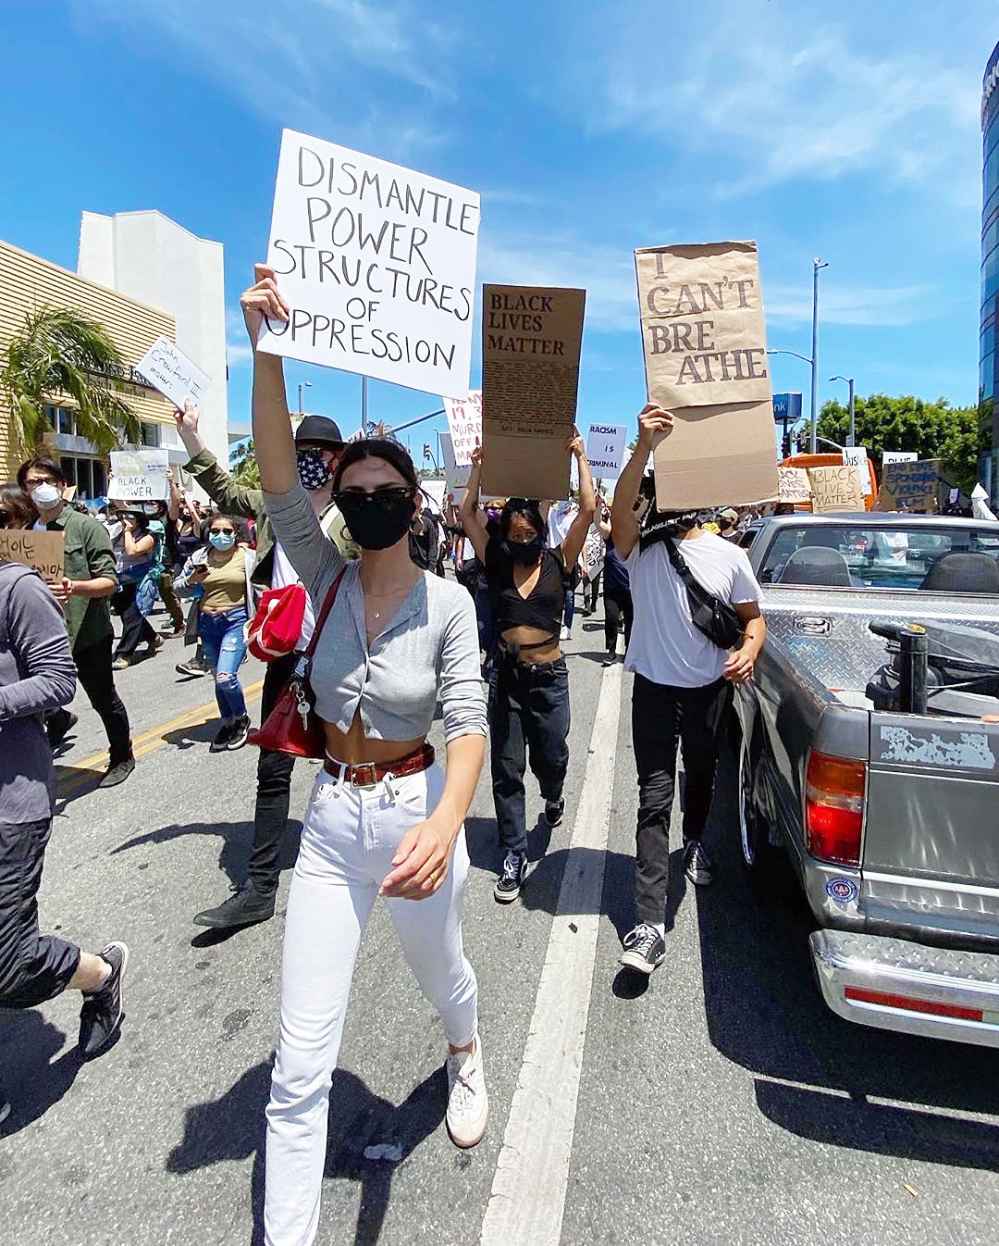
{"x":62,"y":351}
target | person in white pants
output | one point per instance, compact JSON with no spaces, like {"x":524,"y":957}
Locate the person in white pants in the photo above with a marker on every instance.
{"x":384,"y":818}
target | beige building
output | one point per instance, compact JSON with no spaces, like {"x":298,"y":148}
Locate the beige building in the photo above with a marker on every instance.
{"x":27,"y":283}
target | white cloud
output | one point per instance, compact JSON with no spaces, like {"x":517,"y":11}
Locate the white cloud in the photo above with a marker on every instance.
{"x":766,"y":97}
{"x":852,"y":305}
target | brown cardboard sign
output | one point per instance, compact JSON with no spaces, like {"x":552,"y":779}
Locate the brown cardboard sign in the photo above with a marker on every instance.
{"x":41,"y":550}
{"x":912,"y":486}
{"x":704,"y":341}
{"x":531,"y":342}
{"x":793,"y":485}
{"x":836,"y":489}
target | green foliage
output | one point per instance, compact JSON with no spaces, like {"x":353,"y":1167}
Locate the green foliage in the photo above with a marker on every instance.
{"x":62,"y":352}
{"x":245,"y":470}
{"x":934,"y":430}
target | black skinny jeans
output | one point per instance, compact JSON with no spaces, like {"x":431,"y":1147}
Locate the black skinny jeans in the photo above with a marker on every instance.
{"x":93,"y":668}
{"x":33,"y":967}
{"x":135,"y":628}
{"x":270,"y":819}
{"x":528,"y":718}
{"x":662,"y":716}
{"x":617,"y":602}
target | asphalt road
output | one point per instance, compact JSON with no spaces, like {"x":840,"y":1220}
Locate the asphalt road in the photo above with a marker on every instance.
{"x":722,"y":1104}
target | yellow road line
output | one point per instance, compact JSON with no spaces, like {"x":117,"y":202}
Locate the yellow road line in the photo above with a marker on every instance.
{"x":81,"y":772}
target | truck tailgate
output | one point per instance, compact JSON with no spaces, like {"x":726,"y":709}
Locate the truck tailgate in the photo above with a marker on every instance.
{"x":931,"y":839}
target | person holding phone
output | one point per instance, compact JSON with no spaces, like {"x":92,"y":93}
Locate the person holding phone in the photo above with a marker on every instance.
{"x":221,"y":572}
{"x":384,"y":818}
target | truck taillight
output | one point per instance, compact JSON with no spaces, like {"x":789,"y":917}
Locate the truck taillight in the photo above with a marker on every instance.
{"x":834,"y":807}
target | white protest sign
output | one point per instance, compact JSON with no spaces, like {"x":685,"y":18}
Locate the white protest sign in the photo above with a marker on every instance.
{"x":898,"y":456}
{"x":139,"y":476}
{"x":793,"y":485}
{"x":377,"y":265}
{"x":464,"y":419}
{"x":605,"y":449}
{"x":455,"y":476}
{"x":172,"y":373}
{"x":857,"y":457}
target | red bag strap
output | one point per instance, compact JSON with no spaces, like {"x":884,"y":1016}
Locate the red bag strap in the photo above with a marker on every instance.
{"x":324,"y":613}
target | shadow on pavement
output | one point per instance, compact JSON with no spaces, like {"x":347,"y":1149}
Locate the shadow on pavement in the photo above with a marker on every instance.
{"x":765,"y":1013}
{"x":30,"y":1079}
{"x":233,"y":1128}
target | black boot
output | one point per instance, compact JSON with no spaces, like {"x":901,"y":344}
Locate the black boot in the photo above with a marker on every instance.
{"x":245,"y":907}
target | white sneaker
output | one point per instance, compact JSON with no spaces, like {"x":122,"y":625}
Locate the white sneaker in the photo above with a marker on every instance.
{"x":566,"y":633}
{"x":467,"y":1101}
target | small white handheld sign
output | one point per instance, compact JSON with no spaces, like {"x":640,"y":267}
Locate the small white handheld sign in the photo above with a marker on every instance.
{"x":173,"y":374}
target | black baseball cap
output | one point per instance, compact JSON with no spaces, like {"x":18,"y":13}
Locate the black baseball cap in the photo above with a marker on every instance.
{"x":317,"y":430}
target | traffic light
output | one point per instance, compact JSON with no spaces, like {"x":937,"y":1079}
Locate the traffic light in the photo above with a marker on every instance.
{"x":786,"y":446}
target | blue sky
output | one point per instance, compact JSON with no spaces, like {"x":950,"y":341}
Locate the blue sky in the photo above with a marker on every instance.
{"x":849,"y":131}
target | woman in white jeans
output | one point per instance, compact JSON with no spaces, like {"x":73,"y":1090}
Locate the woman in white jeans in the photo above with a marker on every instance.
{"x":384,"y":819}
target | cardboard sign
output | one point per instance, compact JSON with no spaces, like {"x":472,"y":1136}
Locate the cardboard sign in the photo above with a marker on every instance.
{"x":455,"y":477}
{"x":593,"y":553}
{"x":793,"y":485}
{"x":898,"y":456}
{"x":704,"y":339}
{"x":41,"y":550}
{"x":910,"y":486}
{"x":605,"y":449}
{"x":377,"y":265}
{"x":171,"y":372}
{"x":139,"y":476}
{"x":856,"y":456}
{"x":835,"y":489}
{"x":464,"y":419}
{"x":531,"y":342}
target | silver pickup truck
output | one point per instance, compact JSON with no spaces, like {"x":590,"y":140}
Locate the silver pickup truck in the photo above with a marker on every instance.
{"x":865,"y":759}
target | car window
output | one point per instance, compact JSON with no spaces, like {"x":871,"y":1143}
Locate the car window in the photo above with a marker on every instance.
{"x":865,"y":557}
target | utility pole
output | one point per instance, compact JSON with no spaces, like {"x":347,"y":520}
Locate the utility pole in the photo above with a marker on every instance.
{"x":302,"y":385}
{"x":364,"y":405}
{"x":816,"y":265}
{"x":851,"y":438}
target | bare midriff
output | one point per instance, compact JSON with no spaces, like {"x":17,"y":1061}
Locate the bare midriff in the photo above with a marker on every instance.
{"x":354,"y":747}
{"x":546,"y":652}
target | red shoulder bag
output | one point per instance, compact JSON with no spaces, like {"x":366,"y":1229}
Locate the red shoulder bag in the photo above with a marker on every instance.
{"x":292,"y":726}
{"x":277,"y":622}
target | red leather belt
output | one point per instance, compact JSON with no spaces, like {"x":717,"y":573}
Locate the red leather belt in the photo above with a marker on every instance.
{"x":370,"y":773}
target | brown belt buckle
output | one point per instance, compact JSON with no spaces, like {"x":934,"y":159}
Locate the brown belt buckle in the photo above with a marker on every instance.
{"x":355,"y":775}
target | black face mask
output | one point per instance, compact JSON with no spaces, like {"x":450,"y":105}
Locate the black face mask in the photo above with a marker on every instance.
{"x":375,"y":520}
{"x":526,"y":553}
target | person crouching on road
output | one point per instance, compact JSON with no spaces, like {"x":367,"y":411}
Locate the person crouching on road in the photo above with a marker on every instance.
{"x":37,"y":676}
{"x":221,"y":571}
{"x":529,"y":688}
{"x":384,"y":818}
{"x":683,"y":682}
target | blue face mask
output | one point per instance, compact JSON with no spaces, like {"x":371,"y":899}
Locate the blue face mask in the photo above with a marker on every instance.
{"x":222,"y":540}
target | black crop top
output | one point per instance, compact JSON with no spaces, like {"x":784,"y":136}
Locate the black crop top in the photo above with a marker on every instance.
{"x":543,"y":608}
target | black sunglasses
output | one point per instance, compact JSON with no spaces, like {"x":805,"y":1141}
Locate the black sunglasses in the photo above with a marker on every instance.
{"x":388,"y":495}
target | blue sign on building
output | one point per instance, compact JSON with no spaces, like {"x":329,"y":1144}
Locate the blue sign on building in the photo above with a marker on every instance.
{"x":787,"y":407}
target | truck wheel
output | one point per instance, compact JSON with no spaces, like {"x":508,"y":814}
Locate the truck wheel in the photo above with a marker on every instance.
{"x":753,"y":839}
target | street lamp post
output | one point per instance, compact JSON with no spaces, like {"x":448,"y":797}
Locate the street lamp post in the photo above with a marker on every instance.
{"x":816,"y":265}
{"x":302,"y":385}
{"x":851,"y":439}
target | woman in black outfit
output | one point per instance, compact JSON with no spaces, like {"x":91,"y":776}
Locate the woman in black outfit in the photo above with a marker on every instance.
{"x":529,"y":689}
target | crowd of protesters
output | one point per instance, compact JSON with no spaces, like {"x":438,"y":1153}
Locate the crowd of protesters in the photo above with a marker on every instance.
{"x":341,"y":544}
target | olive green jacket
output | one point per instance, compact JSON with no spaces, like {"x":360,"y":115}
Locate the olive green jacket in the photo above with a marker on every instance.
{"x":87,"y":555}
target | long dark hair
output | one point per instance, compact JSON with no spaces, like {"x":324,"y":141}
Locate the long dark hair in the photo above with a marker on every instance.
{"x":16,"y":504}
{"x":530,"y":510}
{"x":377,"y":448}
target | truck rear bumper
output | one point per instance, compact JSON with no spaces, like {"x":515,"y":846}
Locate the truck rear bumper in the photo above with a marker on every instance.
{"x":893,"y":984}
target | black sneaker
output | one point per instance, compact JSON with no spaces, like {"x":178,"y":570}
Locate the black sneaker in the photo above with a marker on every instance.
{"x":224,"y":734}
{"x":103,"y":1011}
{"x":697,"y":864}
{"x":193,"y":669}
{"x":240,"y":730}
{"x":610,"y":659}
{"x":511,"y":879}
{"x":117,"y":773}
{"x":245,"y":907}
{"x":644,"y":949}
{"x":554,"y":811}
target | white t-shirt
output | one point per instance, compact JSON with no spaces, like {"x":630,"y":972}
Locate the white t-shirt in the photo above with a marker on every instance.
{"x":665,"y":645}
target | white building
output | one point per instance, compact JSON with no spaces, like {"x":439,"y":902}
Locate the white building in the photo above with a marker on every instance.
{"x":147,"y":256}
